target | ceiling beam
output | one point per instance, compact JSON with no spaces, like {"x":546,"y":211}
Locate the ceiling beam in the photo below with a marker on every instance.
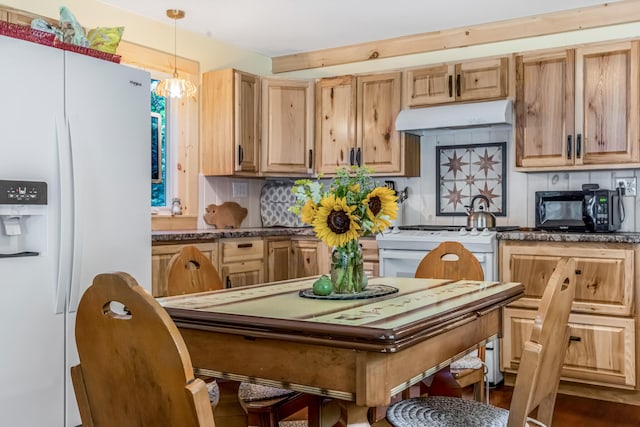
{"x":621,"y":12}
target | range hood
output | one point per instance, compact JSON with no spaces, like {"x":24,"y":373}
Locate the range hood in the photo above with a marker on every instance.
{"x":456,"y":116}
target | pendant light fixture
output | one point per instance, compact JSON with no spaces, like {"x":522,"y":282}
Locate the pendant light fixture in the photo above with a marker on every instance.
{"x":175,"y":87}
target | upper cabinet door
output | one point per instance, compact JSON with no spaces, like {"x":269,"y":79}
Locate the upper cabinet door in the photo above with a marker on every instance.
{"x":379,"y":145}
{"x":427,"y":86}
{"x":230,"y":123}
{"x":468,"y":81}
{"x":607,"y":102}
{"x":287,"y":126}
{"x":335,"y":123}
{"x":478,"y":80}
{"x":247,"y":121}
{"x":545,"y":109}
{"x":578,"y":109}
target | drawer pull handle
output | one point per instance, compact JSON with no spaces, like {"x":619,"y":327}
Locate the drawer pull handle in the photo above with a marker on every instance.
{"x":574,"y":338}
{"x":578,"y":271}
{"x":245,"y":245}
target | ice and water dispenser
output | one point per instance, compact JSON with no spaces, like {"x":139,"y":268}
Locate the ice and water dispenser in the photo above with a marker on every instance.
{"x":23,"y":218}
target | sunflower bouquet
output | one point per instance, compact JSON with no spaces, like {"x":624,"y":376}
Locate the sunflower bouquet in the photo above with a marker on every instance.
{"x":352,"y":206}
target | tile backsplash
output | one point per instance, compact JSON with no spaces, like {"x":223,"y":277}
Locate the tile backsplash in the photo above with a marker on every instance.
{"x":420,"y":206}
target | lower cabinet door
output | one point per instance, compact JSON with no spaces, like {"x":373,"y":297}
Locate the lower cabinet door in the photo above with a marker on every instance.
{"x":242,"y":274}
{"x":601,"y":348}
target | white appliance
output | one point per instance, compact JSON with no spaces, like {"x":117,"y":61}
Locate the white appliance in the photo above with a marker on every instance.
{"x":402,"y":248}
{"x":471,"y":114}
{"x":79,"y":128}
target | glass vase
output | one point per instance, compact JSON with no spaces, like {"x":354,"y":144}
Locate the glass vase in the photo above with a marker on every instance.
{"x":347,"y":273}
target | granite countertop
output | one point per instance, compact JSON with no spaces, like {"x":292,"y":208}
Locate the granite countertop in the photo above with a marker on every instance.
{"x":559,"y":236}
{"x":170,"y":236}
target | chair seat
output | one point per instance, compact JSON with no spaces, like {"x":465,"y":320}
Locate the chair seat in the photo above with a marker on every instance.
{"x":214,"y":393}
{"x":467,"y":362}
{"x":293,"y":423}
{"x":252,"y":392}
{"x":445,"y":411}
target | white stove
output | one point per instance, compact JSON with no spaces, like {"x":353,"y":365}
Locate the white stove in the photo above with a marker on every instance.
{"x":402,"y":248}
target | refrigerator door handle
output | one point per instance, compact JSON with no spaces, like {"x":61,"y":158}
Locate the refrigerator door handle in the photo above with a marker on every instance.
{"x":73,"y":298}
{"x":65,"y":241}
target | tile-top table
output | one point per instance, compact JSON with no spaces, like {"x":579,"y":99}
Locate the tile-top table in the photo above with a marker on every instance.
{"x":360,"y":351}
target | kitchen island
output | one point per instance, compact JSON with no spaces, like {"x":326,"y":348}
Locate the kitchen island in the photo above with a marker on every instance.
{"x":603,"y":358}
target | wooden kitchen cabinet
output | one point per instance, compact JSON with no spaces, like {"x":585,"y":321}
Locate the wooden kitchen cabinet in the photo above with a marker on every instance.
{"x":279,"y":258}
{"x":484,"y":79}
{"x":355,"y":126}
{"x":242,"y":261}
{"x":603,"y":317}
{"x":601,"y":348}
{"x":287,"y":127}
{"x":577,"y":108}
{"x":230,"y":123}
{"x":161,"y":255}
{"x":294,"y":257}
{"x":311,"y":257}
{"x":371,"y":256}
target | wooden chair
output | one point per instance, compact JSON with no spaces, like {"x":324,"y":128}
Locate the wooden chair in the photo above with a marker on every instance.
{"x":190,"y":271}
{"x":451,"y":260}
{"x":120,"y":381}
{"x":538,"y":375}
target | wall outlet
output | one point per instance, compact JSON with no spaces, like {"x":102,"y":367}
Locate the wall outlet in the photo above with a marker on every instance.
{"x":628,"y":184}
{"x":239,"y":190}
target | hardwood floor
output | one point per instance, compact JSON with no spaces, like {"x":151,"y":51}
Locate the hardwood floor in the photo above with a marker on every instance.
{"x":571,"y":411}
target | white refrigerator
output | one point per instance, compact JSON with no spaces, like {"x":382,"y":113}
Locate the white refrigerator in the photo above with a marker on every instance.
{"x":82,"y":126}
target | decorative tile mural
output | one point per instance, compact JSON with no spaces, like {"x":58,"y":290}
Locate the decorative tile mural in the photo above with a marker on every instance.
{"x":465,"y":171}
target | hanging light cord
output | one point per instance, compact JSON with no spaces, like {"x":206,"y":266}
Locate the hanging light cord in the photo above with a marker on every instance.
{"x":175,"y":48}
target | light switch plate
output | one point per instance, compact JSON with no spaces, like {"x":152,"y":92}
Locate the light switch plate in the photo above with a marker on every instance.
{"x":239,"y":190}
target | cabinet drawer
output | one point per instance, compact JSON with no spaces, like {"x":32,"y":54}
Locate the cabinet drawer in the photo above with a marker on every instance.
{"x":605,"y":275}
{"x":241,"y":250}
{"x":601,"y":350}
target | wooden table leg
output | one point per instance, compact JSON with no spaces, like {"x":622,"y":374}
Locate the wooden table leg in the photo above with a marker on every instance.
{"x":340,"y":413}
{"x":229,"y":412}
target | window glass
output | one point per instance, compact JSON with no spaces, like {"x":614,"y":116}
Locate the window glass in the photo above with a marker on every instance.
{"x":158,"y":148}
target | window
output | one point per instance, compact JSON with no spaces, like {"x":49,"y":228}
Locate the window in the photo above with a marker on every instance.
{"x":158,"y":148}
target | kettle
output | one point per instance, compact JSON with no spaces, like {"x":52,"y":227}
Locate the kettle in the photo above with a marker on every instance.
{"x":480,"y":218}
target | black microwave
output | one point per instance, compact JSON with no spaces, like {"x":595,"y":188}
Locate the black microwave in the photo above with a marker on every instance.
{"x":598,"y":210}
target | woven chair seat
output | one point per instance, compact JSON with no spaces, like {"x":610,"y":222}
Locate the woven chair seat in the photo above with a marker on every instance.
{"x":252,"y":392}
{"x":467,"y":362}
{"x":214,"y":393}
{"x":441,"y":411}
{"x":293,"y":423}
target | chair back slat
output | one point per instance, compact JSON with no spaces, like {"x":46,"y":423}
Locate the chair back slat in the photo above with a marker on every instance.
{"x":190,"y":271}
{"x":543,"y":354}
{"x":450,"y":260}
{"x":134,"y":369}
